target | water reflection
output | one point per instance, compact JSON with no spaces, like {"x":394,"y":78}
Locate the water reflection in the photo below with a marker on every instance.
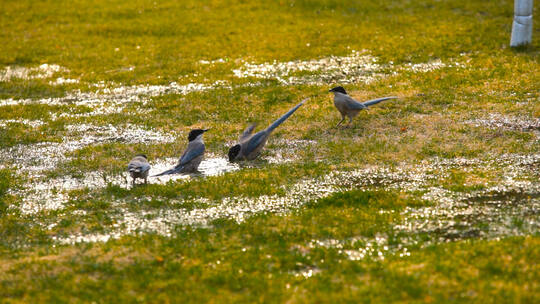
{"x":496,"y":211}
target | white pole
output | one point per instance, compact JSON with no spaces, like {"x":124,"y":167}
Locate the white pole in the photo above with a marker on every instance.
{"x":522,"y":25}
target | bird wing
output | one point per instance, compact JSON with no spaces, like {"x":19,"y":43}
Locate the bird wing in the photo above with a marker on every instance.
{"x":353,"y":104}
{"x":193,"y":150}
{"x":145,"y":167}
{"x":256,"y":140}
{"x":138,"y":166}
{"x":247,"y":132}
{"x":377,"y":100}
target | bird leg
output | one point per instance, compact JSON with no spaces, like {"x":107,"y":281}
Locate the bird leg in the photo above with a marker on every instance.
{"x":342,"y":119}
{"x":350,"y":122}
{"x":146,"y":180}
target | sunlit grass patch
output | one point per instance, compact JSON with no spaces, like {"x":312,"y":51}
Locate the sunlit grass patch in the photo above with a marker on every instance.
{"x":432,"y":197}
{"x":269,"y":255}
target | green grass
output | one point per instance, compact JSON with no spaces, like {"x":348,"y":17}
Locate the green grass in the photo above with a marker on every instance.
{"x":256,"y":261}
{"x":145,"y":42}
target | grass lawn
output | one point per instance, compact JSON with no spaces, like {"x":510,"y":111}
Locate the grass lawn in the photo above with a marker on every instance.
{"x":433,"y":197}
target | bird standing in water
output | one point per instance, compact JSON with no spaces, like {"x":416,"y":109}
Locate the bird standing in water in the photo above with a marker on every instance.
{"x":139,"y":167}
{"x":192,"y":157}
{"x":250,"y":145}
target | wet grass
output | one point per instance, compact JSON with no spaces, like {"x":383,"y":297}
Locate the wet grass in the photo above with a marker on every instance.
{"x":264,"y":258}
{"x":414,"y":229}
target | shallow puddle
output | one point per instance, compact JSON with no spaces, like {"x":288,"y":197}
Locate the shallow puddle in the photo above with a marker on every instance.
{"x":35,"y":158}
{"x":43,"y":71}
{"x":109,"y":98}
{"x":52,"y":194}
{"x":62,"y":81}
{"x":285,"y":151}
{"x":359,"y":66}
{"x":506,"y":122}
{"x":43,"y":193}
{"x":210,"y":166}
{"x":27,"y":122}
{"x":509,"y":209}
{"x":453,"y":216}
{"x":113,"y":98}
{"x":306,"y":272}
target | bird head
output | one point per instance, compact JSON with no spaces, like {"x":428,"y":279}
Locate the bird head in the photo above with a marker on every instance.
{"x":142,"y":155}
{"x":339,"y":89}
{"x":193,"y":134}
{"x":233,"y":152}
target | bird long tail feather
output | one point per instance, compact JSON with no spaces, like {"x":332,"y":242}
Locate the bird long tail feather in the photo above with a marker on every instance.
{"x":279,"y":121}
{"x":170,"y":171}
{"x":377,"y":100}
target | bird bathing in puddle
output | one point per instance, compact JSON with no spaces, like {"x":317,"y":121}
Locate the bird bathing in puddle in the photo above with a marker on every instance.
{"x":139,"y":167}
{"x":192,"y":157}
{"x":250,"y":145}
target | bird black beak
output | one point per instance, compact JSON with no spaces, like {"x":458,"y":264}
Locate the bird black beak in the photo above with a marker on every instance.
{"x":205,"y":130}
{"x":331,"y":90}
